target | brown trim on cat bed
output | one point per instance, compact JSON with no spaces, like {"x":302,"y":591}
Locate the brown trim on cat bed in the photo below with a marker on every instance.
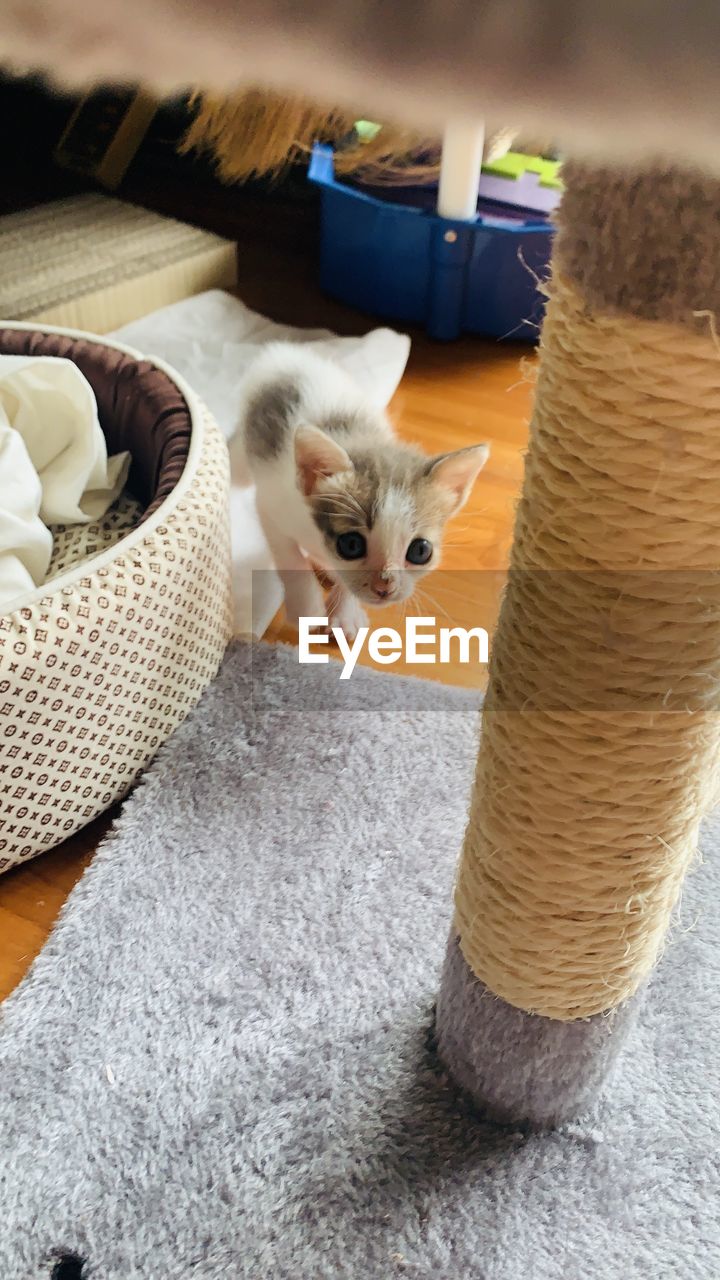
{"x":139,"y":406}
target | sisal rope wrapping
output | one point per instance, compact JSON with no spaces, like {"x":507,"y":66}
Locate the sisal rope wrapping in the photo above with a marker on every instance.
{"x":602,"y":722}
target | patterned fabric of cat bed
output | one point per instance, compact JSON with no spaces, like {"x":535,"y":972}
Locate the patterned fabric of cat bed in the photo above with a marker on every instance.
{"x":107,"y":657}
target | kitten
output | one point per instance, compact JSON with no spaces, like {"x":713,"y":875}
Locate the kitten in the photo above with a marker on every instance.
{"x":337,"y":490}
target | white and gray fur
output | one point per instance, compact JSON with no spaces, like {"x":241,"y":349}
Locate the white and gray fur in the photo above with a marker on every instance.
{"x":326,"y":462}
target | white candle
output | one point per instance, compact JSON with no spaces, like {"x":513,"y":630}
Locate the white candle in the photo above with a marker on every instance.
{"x":460,"y":169}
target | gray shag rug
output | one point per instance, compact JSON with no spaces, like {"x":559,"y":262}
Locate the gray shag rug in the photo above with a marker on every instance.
{"x":221,"y":1065}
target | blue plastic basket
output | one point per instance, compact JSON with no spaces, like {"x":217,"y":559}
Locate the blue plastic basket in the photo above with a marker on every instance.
{"x":408,"y":264}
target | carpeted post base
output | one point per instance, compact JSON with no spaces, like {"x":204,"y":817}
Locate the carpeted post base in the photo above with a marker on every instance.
{"x":518,"y":1067}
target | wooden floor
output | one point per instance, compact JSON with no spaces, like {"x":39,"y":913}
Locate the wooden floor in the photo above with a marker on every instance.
{"x":462,"y":393}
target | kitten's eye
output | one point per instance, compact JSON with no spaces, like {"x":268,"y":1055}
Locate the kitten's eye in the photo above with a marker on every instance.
{"x":419,"y":551}
{"x":351,"y":546}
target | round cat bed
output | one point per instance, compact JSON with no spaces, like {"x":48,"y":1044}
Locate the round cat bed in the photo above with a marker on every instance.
{"x":104,"y":660}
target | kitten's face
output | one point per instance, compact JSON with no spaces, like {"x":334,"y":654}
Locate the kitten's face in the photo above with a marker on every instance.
{"x":383,"y":516}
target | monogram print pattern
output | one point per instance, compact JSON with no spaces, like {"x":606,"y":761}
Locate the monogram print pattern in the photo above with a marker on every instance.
{"x":96,"y":675}
{"x":75,"y":542}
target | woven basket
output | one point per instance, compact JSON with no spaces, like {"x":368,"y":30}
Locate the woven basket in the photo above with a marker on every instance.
{"x":103,"y":662}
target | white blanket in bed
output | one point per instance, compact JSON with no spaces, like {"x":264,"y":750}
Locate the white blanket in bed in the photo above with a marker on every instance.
{"x":54,"y":467}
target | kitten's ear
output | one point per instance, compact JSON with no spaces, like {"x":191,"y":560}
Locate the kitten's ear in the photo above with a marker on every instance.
{"x":316,"y":455}
{"x":457,"y":472}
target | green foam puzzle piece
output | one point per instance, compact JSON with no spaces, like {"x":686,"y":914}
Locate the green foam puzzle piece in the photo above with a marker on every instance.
{"x":367,"y":129}
{"x":514,"y":164}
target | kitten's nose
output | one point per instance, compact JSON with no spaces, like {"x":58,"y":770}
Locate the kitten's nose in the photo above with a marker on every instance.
{"x":382,"y":584}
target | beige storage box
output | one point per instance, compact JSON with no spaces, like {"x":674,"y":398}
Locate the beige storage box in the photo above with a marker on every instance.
{"x":94,"y":263}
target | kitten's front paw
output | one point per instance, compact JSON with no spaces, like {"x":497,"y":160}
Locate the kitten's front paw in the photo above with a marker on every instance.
{"x":346,"y":613}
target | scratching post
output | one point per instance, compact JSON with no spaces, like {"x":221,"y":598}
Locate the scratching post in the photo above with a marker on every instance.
{"x":601,"y":724}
